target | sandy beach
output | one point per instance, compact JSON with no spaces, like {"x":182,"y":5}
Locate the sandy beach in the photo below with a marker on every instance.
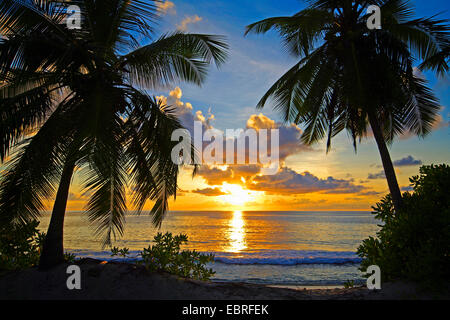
{"x":122,"y":281}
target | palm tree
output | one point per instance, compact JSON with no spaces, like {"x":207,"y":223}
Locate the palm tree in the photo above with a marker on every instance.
{"x":350,"y":77}
{"x":76,"y":99}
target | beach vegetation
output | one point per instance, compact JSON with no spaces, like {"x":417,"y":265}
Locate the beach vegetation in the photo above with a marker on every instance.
{"x":116,"y":252}
{"x":414,"y":244}
{"x":349,"y":284}
{"x":69,"y":257}
{"x":78,"y":100}
{"x":166,"y":256}
{"x":20,"y":246}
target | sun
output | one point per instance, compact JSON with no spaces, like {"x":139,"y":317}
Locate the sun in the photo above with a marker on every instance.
{"x":236,"y":195}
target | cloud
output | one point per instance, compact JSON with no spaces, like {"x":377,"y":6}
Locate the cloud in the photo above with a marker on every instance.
{"x":289,"y":143}
{"x":84,"y":196}
{"x":210,"y":192}
{"x":75,"y":197}
{"x":370,"y":193}
{"x":440,"y":123}
{"x":215,"y":176}
{"x":285,"y":181}
{"x":166,"y":7}
{"x":237,"y":174}
{"x":418,"y":73}
{"x":289,"y":135}
{"x":188,"y":20}
{"x":374,"y":176}
{"x":407,"y":161}
{"x":185,"y":112}
{"x":288,"y":181}
{"x":250,"y":176}
{"x":408,"y":188}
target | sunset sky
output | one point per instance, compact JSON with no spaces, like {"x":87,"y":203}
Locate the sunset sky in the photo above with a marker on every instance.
{"x":309,"y":179}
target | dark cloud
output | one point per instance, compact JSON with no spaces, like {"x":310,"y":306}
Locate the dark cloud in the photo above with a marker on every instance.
{"x":76,"y":197}
{"x":407,"y":161}
{"x":408,"y":188}
{"x":232,"y":174}
{"x":374,"y":176}
{"x":370,"y":193}
{"x":287,"y":181}
{"x":210,"y":192}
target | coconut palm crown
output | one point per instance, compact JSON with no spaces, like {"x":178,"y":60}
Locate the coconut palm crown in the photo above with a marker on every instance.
{"x":78,"y":100}
{"x":349,"y":77}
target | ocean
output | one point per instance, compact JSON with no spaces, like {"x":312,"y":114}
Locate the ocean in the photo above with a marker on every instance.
{"x":264,"y":247}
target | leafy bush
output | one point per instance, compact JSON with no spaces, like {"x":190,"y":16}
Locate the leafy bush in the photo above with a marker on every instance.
{"x":165,"y":256}
{"x":415,"y":243}
{"x":20,"y":246}
{"x":120,"y":252}
{"x":69,"y":257}
{"x":349,"y":284}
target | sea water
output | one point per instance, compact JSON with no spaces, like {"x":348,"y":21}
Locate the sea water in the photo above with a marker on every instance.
{"x":266,"y":247}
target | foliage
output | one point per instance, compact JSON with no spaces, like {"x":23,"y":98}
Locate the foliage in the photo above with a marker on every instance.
{"x":20,"y":246}
{"x":347,"y":73}
{"x":69,"y":257}
{"x":415,"y":243}
{"x":80,"y":96}
{"x":124,"y":252}
{"x":349,"y":284}
{"x":165,"y":256}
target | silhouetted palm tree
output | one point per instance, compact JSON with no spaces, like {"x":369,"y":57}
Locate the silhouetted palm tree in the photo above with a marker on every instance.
{"x":75,"y":99}
{"x":349,"y":76}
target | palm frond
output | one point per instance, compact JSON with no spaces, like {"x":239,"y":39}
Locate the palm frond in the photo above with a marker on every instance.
{"x":299,"y":32}
{"x":105,"y":177}
{"x":153,"y":173}
{"x":422,"y":109}
{"x":174,"y":57}
{"x":32,"y":174}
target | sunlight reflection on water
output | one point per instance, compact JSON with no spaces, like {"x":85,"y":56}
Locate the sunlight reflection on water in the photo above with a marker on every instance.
{"x":236,"y":233}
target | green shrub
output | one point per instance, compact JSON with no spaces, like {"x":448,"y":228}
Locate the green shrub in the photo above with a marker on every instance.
{"x":415,"y":243}
{"x":120,"y":252}
{"x":20,"y":246}
{"x":349,"y":284}
{"x":165,"y":255}
{"x":69,"y":257}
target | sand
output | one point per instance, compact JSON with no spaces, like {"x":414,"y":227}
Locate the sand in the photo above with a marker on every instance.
{"x":122,"y":281}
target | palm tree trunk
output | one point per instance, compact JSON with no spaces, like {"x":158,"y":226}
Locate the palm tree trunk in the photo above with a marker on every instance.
{"x":53,"y":248}
{"x":387,"y":162}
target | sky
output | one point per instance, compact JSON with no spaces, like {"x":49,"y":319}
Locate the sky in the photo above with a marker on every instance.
{"x":309,"y":178}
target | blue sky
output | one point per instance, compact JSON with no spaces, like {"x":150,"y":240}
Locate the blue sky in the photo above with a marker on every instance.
{"x":256,"y":61}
